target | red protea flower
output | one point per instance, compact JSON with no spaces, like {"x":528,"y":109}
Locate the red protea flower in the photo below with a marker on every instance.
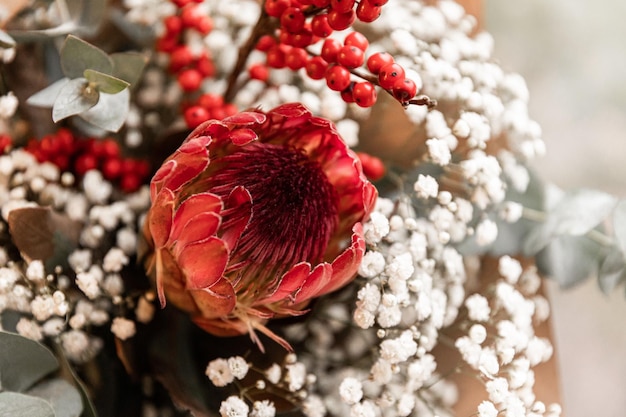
{"x":255,"y":215}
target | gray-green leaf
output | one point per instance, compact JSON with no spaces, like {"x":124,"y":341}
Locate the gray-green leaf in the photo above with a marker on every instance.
{"x":14,"y":404}
{"x":61,"y":395}
{"x":74,"y":98}
{"x":105,"y":83}
{"x":110,"y":112}
{"x":128,"y":66}
{"x":78,"y":55}
{"x":612,"y":270}
{"x":5,"y":40}
{"x":47,"y":96}
{"x":580,"y":211}
{"x":23,"y":362}
{"x":619,"y":224}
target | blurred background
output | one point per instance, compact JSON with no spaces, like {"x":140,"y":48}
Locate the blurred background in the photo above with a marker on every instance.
{"x":573,"y":56}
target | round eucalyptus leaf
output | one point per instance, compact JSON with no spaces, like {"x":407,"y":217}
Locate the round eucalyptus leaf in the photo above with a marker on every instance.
{"x":128,"y":66}
{"x":75,"y":97}
{"x":64,"y":398}
{"x":23,"y":362}
{"x":612,"y":270}
{"x":105,"y":83}
{"x":619,"y":224}
{"x":78,"y":55}
{"x":110,"y":112}
{"x":580,"y":211}
{"x":47,"y":96}
{"x":14,"y":404}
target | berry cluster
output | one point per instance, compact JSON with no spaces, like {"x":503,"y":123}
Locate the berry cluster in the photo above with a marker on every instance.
{"x":78,"y":156}
{"x":303,"y":23}
{"x":207,"y":106}
{"x":5,"y":143}
{"x":189,"y":68}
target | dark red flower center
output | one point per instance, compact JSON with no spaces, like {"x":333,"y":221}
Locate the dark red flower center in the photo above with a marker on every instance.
{"x":294,"y":206}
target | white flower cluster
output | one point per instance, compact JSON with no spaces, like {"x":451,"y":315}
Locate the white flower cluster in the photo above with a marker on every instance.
{"x":290,"y":379}
{"x":64,"y":302}
{"x":501,"y":344}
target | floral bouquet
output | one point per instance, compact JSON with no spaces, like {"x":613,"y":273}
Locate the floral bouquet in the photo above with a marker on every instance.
{"x":277,"y":208}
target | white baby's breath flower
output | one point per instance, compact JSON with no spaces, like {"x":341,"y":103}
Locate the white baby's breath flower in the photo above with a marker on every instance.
{"x":238,"y":366}
{"x":234,"y":406}
{"x":296,"y":376}
{"x":351,"y":390}
{"x":510,"y":269}
{"x":439,"y":151}
{"x":35,"y":271}
{"x":219,"y":372}
{"x":373,"y":263}
{"x":487,"y":409}
{"x":123,"y":328}
{"x":477,"y":307}
{"x":486,"y":232}
{"x":426,"y":186}
{"x":263,"y":408}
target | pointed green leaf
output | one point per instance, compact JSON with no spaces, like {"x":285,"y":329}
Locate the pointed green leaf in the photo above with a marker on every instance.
{"x":23,"y":362}
{"x":20,"y":405}
{"x":74,"y":98}
{"x":110,"y":112}
{"x":105,"y":83}
{"x":128,"y":66}
{"x":47,"y":96}
{"x":89,"y":410}
{"x":78,"y":55}
{"x":5,"y":40}
{"x":61,"y":395}
{"x":612,"y":270}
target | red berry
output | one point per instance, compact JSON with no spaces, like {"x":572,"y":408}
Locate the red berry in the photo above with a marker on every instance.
{"x":389,"y":74}
{"x":296,"y":58}
{"x":316,"y":67}
{"x":404,"y":90}
{"x":191,"y":15}
{"x":130,"y":182}
{"x":265,"y":43}
{"x":341,"y":21}
{"x":350,"y":56}
{"x":320,"y":26}
{"x":259,"y":72}
{"x":112,"y":168}
{"x":346,"y":94}
{"x":180,"y":58}
{"x":62,"y":161}
{"x":302,"y":39}
{"x":275,"y":8}
{"x":167,"y":43}
{"x":377,"y":3}
{"x":205,"y":66}
{"x":373,"y":167}
{"x":110,"y":148}
{"x":173,"y":25}
{"x":181,"y":3}
{"x":190,"y":79}
{"x":378,"y":60}
{"x":330,"y":49}
{"x":204,"y":25}
{"x":364,"y":94}
{"x":211,"y":101}
{"x":195,"y":115}
{"x":357,"y":39}
{"x":292,"y":19}
{"x":342,"y":6}
{"x":275,"y":57}
{"x":320,"y":3}
{"x":367,"y":13}
{"x":337,"y":78}
{"x":230,"y":109}
{"x":85,"y":163}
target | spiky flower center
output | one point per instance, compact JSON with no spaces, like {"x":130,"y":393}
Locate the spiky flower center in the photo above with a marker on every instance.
{"x":294,"y":206}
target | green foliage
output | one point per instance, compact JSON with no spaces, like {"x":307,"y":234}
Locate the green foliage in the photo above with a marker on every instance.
{"x":25,"y":393}
{"x":95,"y":86}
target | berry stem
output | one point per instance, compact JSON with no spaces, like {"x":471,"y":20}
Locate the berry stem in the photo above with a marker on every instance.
{"x":265,"y":25}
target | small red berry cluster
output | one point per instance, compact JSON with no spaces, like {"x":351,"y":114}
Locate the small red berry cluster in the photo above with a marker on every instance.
{"x":207,"y":106}
{"x":78,"y":156}
{"x":5,"y":143}
{"x":306,"y":22}
{"x":190,"y":70}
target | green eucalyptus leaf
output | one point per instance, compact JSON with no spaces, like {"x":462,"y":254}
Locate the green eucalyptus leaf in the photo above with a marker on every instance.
{"x":23,"y":362}
{"x":47,"y":96}
{"x":619,"y":224}
{"x":6,"y":41}
{"x":14,"y":404}
{"x":78,"y":55}
{"x":110,"y":112}
{"x":128,"y":66}
{"x":74,"y":98}
{"x":571,"y":259}
{"x":580,"y":211}
{"x":612,"y":270}
{"x":89,"y":410}
{"x":87,"y":13}
{"x":105,"y":83}
{"x":61,"y":395}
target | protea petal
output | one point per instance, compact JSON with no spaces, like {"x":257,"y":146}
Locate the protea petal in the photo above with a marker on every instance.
{"x":160,"y":218}
{"x":217,"y":301}
{"x":315,"y":282}
{"x":191,"y":207}
{"x":199,"y":228}
{"x":289,"y":283}
{"x":203,"y":263}
{"x":237,"y":216}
